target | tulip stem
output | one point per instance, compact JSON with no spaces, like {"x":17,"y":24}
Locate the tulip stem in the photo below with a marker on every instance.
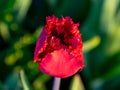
{"x":56,"y":83}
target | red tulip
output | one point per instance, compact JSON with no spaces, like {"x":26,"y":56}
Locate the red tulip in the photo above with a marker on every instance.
{"x":59,"y":48}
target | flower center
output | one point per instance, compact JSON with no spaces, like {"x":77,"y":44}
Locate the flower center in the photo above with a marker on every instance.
{"x":61,"y":35}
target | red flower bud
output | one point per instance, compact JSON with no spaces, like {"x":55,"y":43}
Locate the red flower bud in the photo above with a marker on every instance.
{"x":59,"y":48}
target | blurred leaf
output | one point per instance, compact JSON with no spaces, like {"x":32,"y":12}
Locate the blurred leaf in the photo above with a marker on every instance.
{"x":115,"y":39}
{"x":97,"y":84}
{"x":32,"y":67}
{"x":39,"y":82}
{"x":91,"y":24}
{"x":108,"y":16}
{"x":4,"y":31}
{"x":12,"y":58}
{"x":77,"y":83}
{"x":79,"y":9}
{"x":22,"y":8}
{"x":112,"y":84}
{"x":25,"y":83}
{"x":23,"y":41}
{"x":111,"y":26}
{"x":13,"y":82}
{"x":110,"y":68}
{"x":10,"y":6}
{"x":3,"y":6}
{"x":1,"y":85}
{"x":37,"y":33}
{"x":115,"y":71}
{"x":16,"y":81}
{"x":91,"y":44}
{"x":8,"y":17}
{"x":52,"y":3}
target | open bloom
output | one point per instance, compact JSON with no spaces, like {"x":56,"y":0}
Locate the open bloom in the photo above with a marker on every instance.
{"x":59,"y":48}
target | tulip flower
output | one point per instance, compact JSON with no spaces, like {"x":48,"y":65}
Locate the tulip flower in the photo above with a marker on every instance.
{"x":59,"y":48}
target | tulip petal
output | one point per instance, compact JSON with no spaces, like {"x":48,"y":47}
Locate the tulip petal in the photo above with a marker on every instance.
{"x":61,"y":64}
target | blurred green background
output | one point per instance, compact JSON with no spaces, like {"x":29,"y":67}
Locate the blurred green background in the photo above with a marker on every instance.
{"x":21,"y":22}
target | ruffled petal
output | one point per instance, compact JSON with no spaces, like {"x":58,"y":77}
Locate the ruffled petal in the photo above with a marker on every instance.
{"x":40,"y":45}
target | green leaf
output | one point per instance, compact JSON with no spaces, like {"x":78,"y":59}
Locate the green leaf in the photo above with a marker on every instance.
{"x":22,"y":8}
{"x":52,"y":3}
{"x":110,"y":24}
{"x":10,"y":6}
{"x":13,"y":82}
{"x":112,"y":84}
{"x":112,"y":73}
{"x":77,"y":83}
{"x":39,"y":82}
{"x":25,"y":83}
{"x":76,"y":9}
{"x":1,"y":85}
{"x":3,"y":6}
{"x":91,"y":44}
{"x":16,"y":81}
{"x":110,"y":68}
